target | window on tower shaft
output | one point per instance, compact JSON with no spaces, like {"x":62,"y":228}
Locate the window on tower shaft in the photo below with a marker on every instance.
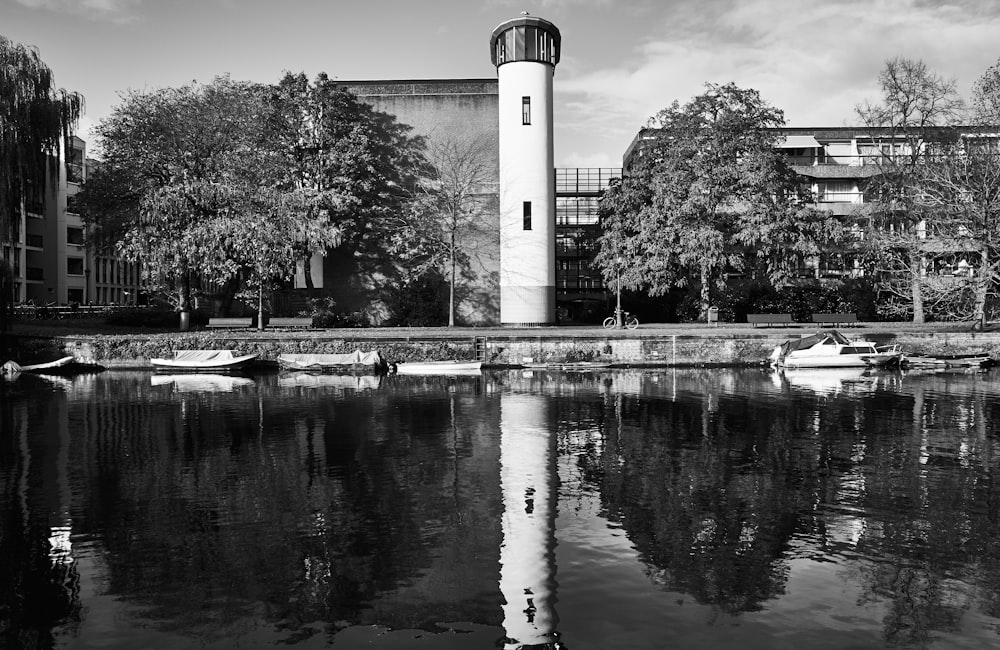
{"x":526,"y":110}
{"x":527,"y":215}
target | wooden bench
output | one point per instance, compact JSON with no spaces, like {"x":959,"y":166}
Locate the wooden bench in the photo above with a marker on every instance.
{"x":835,"y":319}
{"x":229,"y":322}
{"x":248,"y":321}
{"x":769,"y":319}
{"x":282,"y":321}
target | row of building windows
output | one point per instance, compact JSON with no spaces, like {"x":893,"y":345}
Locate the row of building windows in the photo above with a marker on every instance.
{"x":74,"y":237}
{"x":585,"y":180}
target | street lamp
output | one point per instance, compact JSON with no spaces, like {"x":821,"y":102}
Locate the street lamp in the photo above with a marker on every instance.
{"x":618,"y":293}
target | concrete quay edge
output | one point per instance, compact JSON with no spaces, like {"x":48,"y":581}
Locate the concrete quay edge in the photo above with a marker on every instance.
{"x":649,"y":346}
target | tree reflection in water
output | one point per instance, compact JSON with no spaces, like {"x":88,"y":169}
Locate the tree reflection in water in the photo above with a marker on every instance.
{"x":285,"y":510}
{"x":901,"y":483}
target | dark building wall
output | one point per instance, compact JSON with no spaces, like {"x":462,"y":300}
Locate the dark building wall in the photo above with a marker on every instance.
{"x":463,"y":111}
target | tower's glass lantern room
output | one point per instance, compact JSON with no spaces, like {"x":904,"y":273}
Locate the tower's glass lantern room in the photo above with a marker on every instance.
{"x":525,"y":38}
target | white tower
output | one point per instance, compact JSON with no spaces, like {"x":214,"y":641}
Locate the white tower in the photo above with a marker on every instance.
{"x":525,"y":51}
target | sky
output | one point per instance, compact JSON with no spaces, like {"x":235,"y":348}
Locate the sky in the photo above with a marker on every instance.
{"x":622,"y":60}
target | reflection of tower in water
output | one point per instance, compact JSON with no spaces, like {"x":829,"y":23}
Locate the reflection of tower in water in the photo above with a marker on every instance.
{"x":527,"y":555}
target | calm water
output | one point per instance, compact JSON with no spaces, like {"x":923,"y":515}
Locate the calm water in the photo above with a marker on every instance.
{"x":680,"y":509}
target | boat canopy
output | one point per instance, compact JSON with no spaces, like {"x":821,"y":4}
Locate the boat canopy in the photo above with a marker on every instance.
{"x":807,"y":342}
{"x":204,"y":356}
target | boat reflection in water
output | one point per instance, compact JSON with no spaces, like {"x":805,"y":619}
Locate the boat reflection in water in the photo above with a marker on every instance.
{"x":824,"y":380}
{"x":202,"y":382}
{"x":678,"y":508}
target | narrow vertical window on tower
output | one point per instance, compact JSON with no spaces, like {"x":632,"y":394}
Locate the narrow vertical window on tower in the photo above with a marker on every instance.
{"x":527,"y":215}
{"x":526,"y":110}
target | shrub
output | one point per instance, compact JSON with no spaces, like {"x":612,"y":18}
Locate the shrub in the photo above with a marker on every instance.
{"x":855,"y":295}
{"x":153,"y":318}
{"x":422,"y":302}
{"x":325,"y":314}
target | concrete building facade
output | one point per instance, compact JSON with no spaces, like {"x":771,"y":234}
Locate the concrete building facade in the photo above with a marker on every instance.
{"x":52,"y":265}
{"x":457,"y":113}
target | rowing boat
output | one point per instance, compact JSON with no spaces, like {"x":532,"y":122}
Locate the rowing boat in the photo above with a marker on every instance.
{"x":204,"y":361}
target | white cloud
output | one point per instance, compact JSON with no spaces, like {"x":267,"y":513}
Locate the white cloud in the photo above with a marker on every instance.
{"x":814,"y":60}
{"x":117,"y":11}
{"x":580,"y":159}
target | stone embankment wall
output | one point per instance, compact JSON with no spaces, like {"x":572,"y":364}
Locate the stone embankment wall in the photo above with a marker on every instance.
{"x":510,"y":349}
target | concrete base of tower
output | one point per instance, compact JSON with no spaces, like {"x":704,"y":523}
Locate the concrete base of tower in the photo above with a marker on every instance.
{"x":527,"y":306}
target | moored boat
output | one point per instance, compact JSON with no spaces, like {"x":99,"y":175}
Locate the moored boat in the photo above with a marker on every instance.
{"x":369,"y":362}
{"x":831,"y":349}
{"x":439,"y":367}
{"x":204,"y":361}
{"x":948,"y":361}
{"x":64,"y":366}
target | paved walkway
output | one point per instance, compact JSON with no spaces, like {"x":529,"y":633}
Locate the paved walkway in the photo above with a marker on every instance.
{"x":645,"y":330}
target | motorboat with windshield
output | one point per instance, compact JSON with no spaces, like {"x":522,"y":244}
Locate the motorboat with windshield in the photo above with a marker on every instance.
{"x":831,"y":349}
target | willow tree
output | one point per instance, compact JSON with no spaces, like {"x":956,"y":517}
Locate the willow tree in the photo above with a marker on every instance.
{"x":35,"y":119}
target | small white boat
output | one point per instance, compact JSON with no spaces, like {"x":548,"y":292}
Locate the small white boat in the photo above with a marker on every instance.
{"x":65,"y":365}
{"x":439,"y":368}
{"x":831,"y":349}
{"x":204,"y":361}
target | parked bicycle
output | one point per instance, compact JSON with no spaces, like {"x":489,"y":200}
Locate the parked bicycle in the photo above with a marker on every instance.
{"x":628,"y":321}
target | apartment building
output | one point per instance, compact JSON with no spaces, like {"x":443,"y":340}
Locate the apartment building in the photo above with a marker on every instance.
{"x":52,"y":265}
{"x":838,"y":165}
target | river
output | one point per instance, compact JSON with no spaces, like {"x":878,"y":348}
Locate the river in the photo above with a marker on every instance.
{"x":618,"y":509}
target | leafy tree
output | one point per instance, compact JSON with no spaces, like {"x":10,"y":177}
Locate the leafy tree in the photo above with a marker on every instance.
{"x":227,"y":180}
{"x":707,"y":194}
{"x":361,"y":163}
{"x":986,"y":97}
{"x":172,"y":157}
{"x":35,"y":119}
{"x":449,"y":221}
{"x":913,"y":119}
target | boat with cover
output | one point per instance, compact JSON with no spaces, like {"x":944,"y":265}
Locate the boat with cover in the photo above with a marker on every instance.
{"x":204,"y":361}
{"x":831,"y":349}
{"x":369,"y":362}
{"x":439,"y":368}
